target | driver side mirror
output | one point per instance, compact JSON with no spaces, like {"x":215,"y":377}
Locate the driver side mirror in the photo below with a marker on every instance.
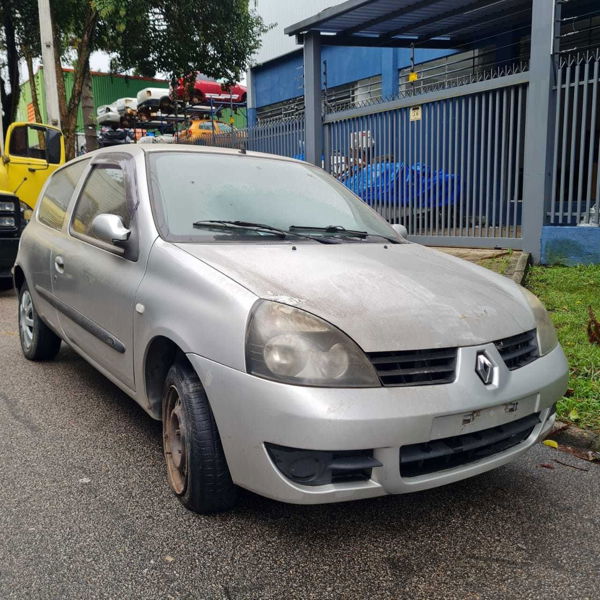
{"x":109,"y":228}
{"x":400,"y":230}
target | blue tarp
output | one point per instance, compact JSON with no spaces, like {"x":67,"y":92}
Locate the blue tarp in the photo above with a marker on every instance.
{"x":396,"y":183}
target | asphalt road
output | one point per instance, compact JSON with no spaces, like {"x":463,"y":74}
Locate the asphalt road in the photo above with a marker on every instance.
{"x":85,"y":512}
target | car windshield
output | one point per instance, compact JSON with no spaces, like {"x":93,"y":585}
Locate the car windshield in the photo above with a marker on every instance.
{"x":189,"y":188}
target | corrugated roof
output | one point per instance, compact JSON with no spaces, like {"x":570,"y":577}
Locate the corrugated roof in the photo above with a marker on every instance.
{"x":419,"y":22}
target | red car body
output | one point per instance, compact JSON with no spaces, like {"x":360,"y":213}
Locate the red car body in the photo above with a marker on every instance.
{"x":205,"y":88}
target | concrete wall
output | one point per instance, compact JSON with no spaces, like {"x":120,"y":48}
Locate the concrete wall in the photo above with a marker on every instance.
{"x":570,"y":245}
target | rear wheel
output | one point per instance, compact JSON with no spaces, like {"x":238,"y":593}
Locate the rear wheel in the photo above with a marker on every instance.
{"x":196,"y":466}
{"x":38,"y":341}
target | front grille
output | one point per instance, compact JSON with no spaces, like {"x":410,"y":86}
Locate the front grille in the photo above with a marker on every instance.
{"x":415,"y":367}
{"x":518,"y":350}
{"x":447,"y":453}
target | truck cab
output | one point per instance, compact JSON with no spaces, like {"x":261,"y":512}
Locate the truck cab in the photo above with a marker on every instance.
{"x":32,"y":152}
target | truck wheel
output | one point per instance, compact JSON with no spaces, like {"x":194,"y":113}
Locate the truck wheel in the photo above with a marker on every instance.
{"x":38,"y":341}
{"x":196,"y":466}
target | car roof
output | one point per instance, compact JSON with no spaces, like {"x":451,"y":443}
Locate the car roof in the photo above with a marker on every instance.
{"x":137,"y":149}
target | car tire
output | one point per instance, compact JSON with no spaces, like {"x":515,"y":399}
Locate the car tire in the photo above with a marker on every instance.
{"x":197,"y":470}
{"x":38,"y":341}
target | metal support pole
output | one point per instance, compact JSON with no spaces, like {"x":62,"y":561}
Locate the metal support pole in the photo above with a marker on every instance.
{"x":250,"y":99}
{"x":47,"y":42}
{"x":539,"y":125}
{"x":389,"y":70}
{"x":312,"y":98}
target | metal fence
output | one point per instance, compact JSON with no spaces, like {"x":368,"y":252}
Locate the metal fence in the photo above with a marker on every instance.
{"x":450,"y":166}
{"x":576,"y":166}
{"x":284,"y":137}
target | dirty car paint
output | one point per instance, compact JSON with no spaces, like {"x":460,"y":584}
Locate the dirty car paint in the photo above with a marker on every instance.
{"x":394,"y":297}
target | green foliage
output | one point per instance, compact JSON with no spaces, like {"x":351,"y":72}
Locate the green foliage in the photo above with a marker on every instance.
{"x":567,"y":292}
{"x":27,"y":25}
{"x":499,"y":264}
{"x":181,"y":36}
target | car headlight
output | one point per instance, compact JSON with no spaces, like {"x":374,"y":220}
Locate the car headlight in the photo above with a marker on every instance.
{"x":26,"y":211}
{"x":7,"y":206}
{"x":7,"y":222}
{"x":290,"y":345}
{"x":546,"y":333}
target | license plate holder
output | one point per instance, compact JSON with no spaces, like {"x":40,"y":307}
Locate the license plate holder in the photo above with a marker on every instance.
{"x":470,"y":421}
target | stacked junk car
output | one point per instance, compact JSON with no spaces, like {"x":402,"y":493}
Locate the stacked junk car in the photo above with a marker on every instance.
{"x":190,"y":112}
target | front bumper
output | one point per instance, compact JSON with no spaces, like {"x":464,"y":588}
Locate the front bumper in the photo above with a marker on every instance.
{"x":250,"y":412}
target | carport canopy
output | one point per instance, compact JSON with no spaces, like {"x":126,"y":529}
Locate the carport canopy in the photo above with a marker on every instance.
{"x":402,"y":23}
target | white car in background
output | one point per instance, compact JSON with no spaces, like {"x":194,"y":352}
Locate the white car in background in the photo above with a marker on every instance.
{"x":111,"y":114}
{"x":149,"y":100}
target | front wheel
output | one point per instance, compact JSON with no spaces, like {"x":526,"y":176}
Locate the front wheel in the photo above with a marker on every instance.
{"x":197,"y":470}
{"x":38,"y":341}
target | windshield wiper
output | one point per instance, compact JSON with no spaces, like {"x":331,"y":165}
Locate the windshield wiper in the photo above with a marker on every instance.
{"x":282,"y":233}
{"x":342,"y":230}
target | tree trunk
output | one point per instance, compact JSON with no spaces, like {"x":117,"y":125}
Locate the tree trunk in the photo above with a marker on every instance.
{"x":81,"y":69}
{"x":89,"y":118}
{"x":32,"y":85}
{"x":10,"y":101}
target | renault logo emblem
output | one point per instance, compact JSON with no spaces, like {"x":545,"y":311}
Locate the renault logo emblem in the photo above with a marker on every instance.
{"x":484,"y":368}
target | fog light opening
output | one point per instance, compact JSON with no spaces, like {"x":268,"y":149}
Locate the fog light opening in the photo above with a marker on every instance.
{"x":322,"y":467}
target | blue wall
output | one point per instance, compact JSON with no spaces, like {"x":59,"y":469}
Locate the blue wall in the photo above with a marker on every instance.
{"x":281,"y":78}
{"x":570,"y":245}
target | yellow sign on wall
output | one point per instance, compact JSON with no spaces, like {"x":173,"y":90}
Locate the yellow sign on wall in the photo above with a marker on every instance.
{"x":415,"y":113}
{"x":412,"y":76}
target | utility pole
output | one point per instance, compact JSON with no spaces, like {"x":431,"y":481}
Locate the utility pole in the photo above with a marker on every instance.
{"x":87,"y":110}
{"x":47,"y":43}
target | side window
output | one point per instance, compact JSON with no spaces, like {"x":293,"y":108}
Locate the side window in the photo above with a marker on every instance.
{"x":103,"y":192}
{"x":55,"y":201}
{"x":33,"y":141}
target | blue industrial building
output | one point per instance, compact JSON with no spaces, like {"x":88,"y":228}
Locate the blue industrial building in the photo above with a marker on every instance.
{"x":370,"y":72}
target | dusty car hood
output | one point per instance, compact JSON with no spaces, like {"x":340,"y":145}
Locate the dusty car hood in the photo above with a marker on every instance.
{"x":405,"y":297}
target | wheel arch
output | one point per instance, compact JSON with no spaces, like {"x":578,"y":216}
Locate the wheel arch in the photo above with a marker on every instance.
{"x":18,"y":277}
{"x":160,"y":355}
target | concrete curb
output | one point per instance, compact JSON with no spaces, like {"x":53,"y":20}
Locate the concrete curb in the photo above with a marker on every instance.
{"x":518,"y":268}
{"x":569,"y":435}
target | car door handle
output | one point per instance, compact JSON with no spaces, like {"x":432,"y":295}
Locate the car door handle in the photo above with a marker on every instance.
{"x":59,"y":264}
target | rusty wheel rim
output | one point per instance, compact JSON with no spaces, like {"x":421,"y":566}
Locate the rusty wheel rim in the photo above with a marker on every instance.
{"x":174,"y":442}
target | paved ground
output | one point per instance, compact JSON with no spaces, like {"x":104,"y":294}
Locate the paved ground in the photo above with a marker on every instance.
{"x":85,"y":513}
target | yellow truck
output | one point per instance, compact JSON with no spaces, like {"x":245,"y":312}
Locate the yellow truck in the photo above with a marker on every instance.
{"x":31,"y":153}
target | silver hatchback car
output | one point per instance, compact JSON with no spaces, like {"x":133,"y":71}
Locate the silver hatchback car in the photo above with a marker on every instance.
{"x":291,"y":341}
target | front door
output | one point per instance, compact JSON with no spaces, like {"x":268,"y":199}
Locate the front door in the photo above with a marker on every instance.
{"x":95,"y":282}
{"x":34,"y":152}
